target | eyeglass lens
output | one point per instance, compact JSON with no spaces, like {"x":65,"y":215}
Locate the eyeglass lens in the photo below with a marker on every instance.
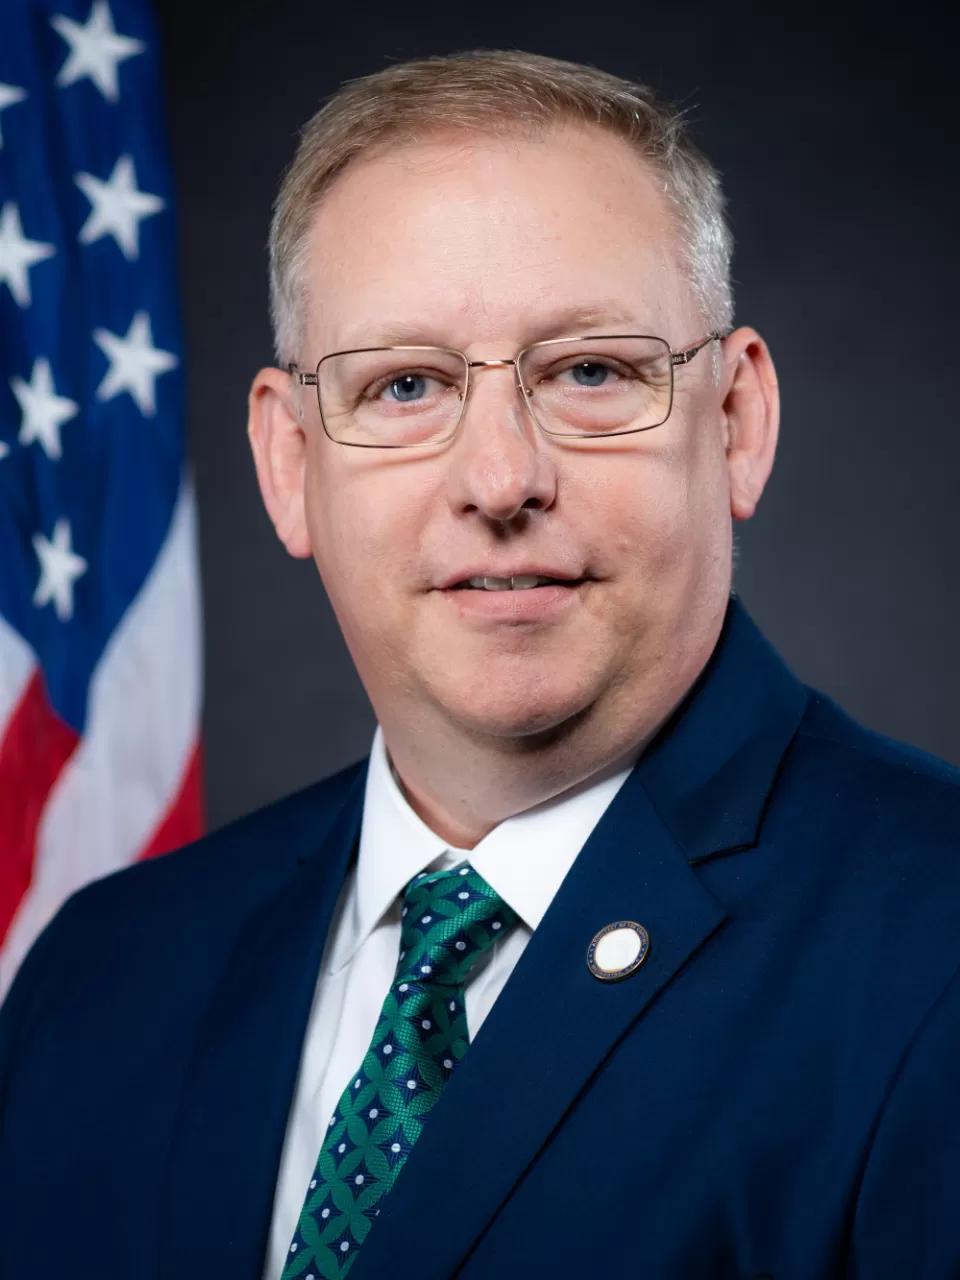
{"x":396,"y":397}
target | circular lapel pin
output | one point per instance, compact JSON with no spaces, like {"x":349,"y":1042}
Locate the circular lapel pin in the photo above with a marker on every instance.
{"x":618,"y":950}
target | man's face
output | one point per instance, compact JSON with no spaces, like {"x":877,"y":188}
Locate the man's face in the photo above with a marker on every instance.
{"x":488,"y":245}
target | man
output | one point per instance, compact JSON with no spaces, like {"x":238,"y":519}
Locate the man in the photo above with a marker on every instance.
{"x":627,"y":952}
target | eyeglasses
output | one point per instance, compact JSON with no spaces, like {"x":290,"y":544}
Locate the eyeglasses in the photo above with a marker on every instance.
{"x":410,"y":397}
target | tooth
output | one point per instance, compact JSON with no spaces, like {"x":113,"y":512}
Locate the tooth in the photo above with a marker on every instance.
{"x":520,"y":582}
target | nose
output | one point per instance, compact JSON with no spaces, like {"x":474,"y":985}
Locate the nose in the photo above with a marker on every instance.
{"x":498,"y":465}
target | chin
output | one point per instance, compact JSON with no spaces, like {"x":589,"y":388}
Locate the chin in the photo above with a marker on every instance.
{"x":523,"y":713}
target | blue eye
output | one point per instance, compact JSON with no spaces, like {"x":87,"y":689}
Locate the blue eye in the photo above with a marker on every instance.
{"x":590,"y":374}
{"x":412,"y":386}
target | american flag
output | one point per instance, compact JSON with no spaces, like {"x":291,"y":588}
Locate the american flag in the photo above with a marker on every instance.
{"x":99,"y":602}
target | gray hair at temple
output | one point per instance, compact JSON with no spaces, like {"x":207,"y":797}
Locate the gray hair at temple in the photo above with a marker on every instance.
{"x":493,"y":93}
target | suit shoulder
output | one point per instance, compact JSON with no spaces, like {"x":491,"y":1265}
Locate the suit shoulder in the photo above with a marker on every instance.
{"x":173,"y":919}
{"x":242,"y":859}
{"x":892,"y":778}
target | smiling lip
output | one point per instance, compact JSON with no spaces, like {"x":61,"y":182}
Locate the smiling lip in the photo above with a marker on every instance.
{"x":463,"y":579}
{"x":528,"y":605}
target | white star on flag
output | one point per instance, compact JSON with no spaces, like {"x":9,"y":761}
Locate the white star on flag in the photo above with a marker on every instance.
{"x":60,"y":567}
{"x":117,"y":208}
{"x":4,"y":450}
{"x":9,"y":94}
{"x":135,"y":363}
{"x":44,"y":412}
{"x":95,"y":49}
{"x":17,"y":254}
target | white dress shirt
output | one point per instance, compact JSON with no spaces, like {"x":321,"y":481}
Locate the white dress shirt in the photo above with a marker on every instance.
{"x":524,"y":859}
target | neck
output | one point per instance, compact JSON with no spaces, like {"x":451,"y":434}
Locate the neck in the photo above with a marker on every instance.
{"x":463,"y":783}
{"x":465,"y":805}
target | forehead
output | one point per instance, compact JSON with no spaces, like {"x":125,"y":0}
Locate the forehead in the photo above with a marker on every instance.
{"x":459,"y":240}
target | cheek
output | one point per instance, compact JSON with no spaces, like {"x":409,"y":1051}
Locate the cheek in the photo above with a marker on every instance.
{"x":363,"y":525}
{"x":645,"y":508}
{"x":664,"y":510}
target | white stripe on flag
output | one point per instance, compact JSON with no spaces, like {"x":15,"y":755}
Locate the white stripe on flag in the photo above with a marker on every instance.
{"x":143,"y":724}
{"x":17,"y":663}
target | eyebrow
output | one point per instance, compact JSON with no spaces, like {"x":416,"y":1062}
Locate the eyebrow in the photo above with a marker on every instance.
{"x":563,"y":322}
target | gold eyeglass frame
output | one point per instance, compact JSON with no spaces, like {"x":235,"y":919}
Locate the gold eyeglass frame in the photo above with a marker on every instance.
{"x":683,"y":356}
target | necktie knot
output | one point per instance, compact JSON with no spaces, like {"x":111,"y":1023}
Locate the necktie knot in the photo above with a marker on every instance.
{"x":449,"y":919}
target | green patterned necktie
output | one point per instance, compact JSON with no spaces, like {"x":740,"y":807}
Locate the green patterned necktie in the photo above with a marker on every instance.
{"x":449,"y":919}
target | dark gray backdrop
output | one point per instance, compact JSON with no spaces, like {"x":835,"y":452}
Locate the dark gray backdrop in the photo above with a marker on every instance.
{"x":836,"y":139}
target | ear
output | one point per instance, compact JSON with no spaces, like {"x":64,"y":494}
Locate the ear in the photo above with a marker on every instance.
{"x":751,"y":408}
{"x":279,"y":449}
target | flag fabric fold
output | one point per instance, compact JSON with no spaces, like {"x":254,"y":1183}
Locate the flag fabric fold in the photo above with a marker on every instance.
{"x":100,"y":654}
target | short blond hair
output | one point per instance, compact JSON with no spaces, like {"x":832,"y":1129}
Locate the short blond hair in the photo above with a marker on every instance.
{"x":493,"y":93}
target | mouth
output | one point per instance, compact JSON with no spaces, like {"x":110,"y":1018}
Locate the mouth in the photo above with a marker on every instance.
{"x":487,"y":600}
{"x":517,"y":582}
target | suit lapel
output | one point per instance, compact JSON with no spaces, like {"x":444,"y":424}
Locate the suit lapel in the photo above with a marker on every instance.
{"x":229,"y":1136}
{"x":713,"y":766}
{"x":701,"y":789}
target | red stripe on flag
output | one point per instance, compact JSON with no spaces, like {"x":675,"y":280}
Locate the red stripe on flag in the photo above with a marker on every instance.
{"x":35,"y":747}
{"x":184,"y":819}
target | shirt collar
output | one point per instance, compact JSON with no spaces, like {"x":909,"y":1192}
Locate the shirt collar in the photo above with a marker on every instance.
{"x":524,"y":859}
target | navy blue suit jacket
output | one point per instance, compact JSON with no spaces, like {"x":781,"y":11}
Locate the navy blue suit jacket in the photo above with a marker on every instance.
{"x":775,"y":1092}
